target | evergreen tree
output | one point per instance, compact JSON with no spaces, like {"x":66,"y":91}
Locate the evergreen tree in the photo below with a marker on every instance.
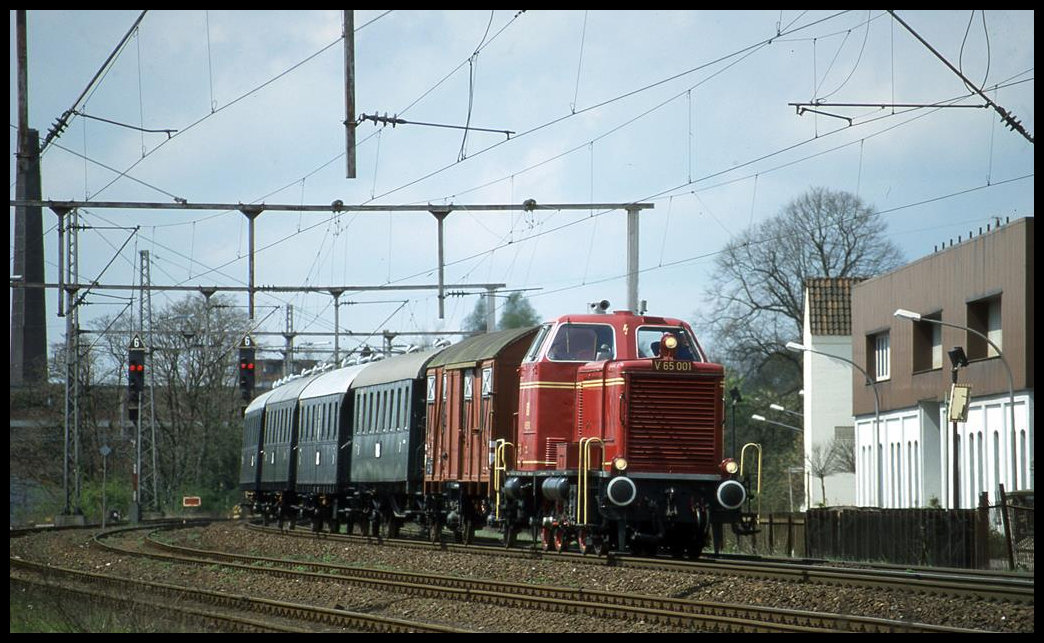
{"x":518,"y":313}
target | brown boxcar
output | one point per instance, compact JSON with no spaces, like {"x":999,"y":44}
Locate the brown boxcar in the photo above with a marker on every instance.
{"x":472,"y":400}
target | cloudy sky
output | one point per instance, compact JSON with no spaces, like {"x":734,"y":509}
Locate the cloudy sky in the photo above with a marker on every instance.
{"x":689,"y":111}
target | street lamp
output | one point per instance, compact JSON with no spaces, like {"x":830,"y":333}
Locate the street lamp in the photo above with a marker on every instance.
{"x":781,"y":409}
{"x":794,"y":346}
{"x":902,"y":313}
{"x":761,"y":418}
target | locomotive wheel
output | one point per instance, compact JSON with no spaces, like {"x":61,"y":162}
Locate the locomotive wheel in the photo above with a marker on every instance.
{"x":375,"y":525}
{"x":582,"y":539}
{"x":394,"y":524}
{"x":547,"y":538}
{"x":469,"y":531}
{"x":696,"y":546}
{"x":465,"y":532}
{"x":435,"y":532}
{"x":562,"y":538}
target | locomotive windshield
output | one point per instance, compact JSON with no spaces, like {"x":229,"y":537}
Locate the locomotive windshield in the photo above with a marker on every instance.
{"x":649,"y":342}
{"x":582,"y":343}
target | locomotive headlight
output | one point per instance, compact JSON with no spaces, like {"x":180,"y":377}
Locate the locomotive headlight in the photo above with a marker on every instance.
{"x":620,"y":463}
{"x":729,"y":466}
{"x":670,"y":342}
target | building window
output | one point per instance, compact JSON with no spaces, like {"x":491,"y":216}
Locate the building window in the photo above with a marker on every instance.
{"x":984,"y":316}
{"x":927,"y":344}
{"x":845,"y":448}
{"x":879,"y":356}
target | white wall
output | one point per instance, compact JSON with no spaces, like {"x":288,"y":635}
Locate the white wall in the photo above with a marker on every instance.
{"x":991,"y":453}
{"x":828,"y":404}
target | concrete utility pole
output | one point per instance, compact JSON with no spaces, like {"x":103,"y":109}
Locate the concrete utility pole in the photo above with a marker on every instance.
{"x":349,"y":92}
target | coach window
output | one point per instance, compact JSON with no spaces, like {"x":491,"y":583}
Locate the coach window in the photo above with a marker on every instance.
{"x":398,"y":408}
{"x":384,"y":411}
{"x":487,"y":381}
{"x":329,"y":420}
{"x":469,"y":382}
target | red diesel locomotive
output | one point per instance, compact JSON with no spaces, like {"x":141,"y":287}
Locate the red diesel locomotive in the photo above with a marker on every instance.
{"x":609,"y":433}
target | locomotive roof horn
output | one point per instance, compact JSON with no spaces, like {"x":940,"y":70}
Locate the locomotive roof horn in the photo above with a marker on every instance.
{"x":599,"y":307}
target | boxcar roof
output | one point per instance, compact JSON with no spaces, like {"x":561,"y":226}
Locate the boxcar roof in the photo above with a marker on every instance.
{"x":409,"y":366}
{"x":331,"y":382}
{"x":471,"y":351}
{"x":290,"y":390}
{"x":258,"y":402}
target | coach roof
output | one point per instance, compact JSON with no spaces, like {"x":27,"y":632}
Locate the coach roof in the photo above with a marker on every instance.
{"x":408,"y":366}
{"x":471,"y":351}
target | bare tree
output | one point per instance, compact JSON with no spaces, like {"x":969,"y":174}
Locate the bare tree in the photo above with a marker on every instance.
{"x":835,"y":456}
{"x":845,"y":454}
{"x":758,"y":282}
{"x":822,"y":462}
{"x":193,"y":362}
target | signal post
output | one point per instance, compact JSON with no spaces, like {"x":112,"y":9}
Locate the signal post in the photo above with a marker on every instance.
{"x":135,"y":385}
{"x":247,"y":352}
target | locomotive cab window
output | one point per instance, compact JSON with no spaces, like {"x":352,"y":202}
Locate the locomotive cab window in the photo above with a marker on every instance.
{"x":538,"y":341}
{"x":582,"y":343}
{"x":648,"y":338}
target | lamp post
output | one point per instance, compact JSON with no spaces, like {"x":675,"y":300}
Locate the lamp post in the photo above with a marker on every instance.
{"x":902,"y":313}
{"x":734,"y":392}
{"x":762,"y":418}
{"x":794,"y":346}
{"x":957,"y":359}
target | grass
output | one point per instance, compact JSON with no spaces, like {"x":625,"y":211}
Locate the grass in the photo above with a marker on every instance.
{"x":33,"y":610}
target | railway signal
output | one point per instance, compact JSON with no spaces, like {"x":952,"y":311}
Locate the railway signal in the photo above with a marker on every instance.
{"x":246,"y":368}
{"x":135,"y":367}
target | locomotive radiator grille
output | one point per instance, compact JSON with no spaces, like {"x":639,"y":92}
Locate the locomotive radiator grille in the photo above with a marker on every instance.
{"x":671,"y":424}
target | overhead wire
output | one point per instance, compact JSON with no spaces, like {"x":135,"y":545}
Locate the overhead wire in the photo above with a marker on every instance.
{"x":408,"y":184}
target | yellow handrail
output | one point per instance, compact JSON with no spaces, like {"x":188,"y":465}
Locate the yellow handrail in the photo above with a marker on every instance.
{"x":499,"y":465}
{"x":585,"y":463}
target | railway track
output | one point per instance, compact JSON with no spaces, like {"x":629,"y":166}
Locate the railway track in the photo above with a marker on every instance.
{"x":1003,"y":587}
{"x":673,"y":612}
{"x":311,"y":573}
{"x":218,"y":611}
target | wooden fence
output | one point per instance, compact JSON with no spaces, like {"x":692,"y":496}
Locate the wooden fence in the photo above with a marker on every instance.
{"x":999,"y":536}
